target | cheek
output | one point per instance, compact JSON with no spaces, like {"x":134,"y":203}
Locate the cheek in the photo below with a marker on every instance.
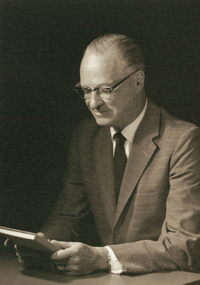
{"x":119,"y":107}
{"x":117,"y":103}
{"x":87,"y":103}
{"x":124,"y":109}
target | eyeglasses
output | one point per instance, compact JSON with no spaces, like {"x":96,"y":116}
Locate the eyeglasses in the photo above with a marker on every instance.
{"x":102,"y":92}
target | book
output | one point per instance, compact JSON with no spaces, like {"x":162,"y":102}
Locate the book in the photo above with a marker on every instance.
{"x":29,"y":240}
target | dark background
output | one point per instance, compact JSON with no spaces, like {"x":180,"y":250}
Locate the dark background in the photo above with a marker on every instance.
{"x":41,"y":47}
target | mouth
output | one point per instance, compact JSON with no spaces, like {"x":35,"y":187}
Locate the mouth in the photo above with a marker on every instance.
{"x":99,"y":113}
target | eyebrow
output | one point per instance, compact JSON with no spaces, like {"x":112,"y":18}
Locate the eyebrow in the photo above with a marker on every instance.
{"x":98,"y":86}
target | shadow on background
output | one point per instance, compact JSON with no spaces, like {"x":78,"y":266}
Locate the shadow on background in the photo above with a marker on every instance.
{"x":42,"y":45}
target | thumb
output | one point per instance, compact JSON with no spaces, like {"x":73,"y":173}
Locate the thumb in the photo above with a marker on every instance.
{"x":63,"y":253}
{"x":62,"y":244}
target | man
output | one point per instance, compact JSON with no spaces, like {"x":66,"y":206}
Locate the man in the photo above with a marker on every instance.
{"x":147,"y":218}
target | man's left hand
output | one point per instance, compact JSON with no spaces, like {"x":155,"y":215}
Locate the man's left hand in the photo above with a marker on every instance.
{"x":76,"y":258}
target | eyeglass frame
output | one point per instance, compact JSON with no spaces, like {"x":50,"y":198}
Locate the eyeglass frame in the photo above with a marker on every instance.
{"x":110,"y":89}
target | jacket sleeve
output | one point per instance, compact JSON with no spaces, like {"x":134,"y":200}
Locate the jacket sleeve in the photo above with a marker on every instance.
{"x":178,"y":247}
{"x":72,"y":219}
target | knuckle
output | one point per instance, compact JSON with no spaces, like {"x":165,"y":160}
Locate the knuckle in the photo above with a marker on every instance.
{"x":75,"y":259}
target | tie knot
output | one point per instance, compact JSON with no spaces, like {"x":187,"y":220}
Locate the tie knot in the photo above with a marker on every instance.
{"x":119,"y":138}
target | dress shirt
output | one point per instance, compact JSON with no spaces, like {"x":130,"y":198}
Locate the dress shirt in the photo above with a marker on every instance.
{"x":129,"y":133}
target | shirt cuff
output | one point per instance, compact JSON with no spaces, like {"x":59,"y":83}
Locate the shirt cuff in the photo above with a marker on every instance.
{"x":113,"y":263}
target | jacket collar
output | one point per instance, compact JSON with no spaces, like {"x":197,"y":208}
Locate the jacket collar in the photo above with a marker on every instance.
{"x":143,"y":147}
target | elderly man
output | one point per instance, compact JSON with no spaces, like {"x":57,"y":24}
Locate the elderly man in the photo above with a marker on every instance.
{"x":132,"y":198}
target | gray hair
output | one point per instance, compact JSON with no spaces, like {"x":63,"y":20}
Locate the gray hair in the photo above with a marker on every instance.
{"x":127,"y":47}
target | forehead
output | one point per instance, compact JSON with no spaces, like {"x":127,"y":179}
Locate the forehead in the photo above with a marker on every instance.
{"x":101,"y":67}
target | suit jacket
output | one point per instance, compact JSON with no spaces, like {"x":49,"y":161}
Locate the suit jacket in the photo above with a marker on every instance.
{"x":156,"y":224}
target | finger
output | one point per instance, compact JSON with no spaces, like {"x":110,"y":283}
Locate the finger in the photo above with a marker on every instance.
{"x":8,"y":243}
{"x":62,"y":267}
{"x":23,"y":251}
{"x":63,"y":254}
{"x":68,"y":270}
{"x":72,"y":272}
{"x":61,"y":261}
{"x":62,"y":244}
{"x":41,"y":235}
{"x":20,"y":259}
{"x":53,"y":267}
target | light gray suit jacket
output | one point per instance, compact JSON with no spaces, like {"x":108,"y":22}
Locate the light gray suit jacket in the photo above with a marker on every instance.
{"x":156,"y":224}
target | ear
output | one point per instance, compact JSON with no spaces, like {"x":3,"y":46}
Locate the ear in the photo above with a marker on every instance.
{"x":140,"y":79}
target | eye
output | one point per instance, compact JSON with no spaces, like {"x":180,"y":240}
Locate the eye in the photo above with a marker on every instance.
{"x":86,"y":90}
{"x":104,"y":90}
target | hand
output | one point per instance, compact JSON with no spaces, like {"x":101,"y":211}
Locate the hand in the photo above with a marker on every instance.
{"x":76,"y":258}
{"x":31,"y":258}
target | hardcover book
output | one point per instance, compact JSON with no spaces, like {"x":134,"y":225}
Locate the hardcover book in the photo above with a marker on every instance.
{"x":30,"y":240}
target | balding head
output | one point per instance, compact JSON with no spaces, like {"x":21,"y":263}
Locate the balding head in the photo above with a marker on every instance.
{"x":128,"y":49}
{"x":106,"y":66}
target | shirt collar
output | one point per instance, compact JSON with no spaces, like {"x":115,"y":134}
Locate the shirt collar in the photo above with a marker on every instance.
{"x":130,"y":130}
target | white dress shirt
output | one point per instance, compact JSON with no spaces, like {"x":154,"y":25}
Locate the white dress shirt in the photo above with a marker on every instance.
{"x":129,"y":133}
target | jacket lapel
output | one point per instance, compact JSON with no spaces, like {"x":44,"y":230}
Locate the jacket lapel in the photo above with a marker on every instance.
{"x":143,"y":148}
{"x":104,"y":165}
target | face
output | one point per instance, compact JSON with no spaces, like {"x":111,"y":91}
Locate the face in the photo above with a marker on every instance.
{"x":107,"y":69}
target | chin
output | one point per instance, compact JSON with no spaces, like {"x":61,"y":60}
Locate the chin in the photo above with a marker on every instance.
{"x":104,"y":122}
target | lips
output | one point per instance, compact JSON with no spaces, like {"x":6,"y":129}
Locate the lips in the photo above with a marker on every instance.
{"x":99,"y":113}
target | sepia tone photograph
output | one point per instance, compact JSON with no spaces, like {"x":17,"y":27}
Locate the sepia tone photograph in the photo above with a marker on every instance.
{"x":100,"y":142}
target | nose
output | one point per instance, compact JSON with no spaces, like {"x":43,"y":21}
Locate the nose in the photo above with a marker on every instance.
{"x":95,"y":101}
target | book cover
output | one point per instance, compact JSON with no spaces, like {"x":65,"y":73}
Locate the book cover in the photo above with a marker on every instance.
{"x":27,"y":239}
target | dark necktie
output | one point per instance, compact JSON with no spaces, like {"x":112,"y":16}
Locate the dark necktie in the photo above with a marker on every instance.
{"x":119,"y":161}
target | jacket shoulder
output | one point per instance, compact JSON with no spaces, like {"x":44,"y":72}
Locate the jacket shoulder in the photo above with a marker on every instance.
{"x":85,"y":132}
{"x":87,"y":128}
{"x":173,"y":124}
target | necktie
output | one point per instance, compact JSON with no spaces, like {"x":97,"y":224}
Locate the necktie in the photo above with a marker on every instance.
{"x":119,"y":161}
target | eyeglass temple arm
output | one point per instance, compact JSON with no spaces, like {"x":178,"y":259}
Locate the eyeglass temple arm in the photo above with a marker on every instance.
{"x":116,"y":85}
{"x":77,"y":85}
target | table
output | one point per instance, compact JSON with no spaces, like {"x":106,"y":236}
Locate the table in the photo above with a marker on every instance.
{"x":12,"y":273}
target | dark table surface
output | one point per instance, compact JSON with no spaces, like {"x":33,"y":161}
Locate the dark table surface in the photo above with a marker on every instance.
{"x":12,"y":273}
